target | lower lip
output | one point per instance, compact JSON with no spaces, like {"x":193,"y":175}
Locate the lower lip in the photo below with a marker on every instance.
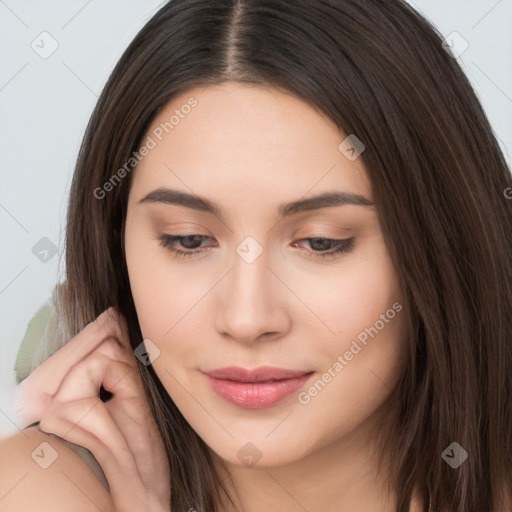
{"x":256,"y":395}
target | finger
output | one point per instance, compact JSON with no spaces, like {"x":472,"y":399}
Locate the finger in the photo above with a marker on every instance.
{"x":45,"y":380}
{"x":108,"y":365}
{"x":87,"y":423}
{"x":122,"y":331}
{"x":52,"y":371}
{"x":85,"y":379}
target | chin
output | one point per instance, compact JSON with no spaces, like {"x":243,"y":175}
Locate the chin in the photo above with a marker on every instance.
{"x":260,"y":453}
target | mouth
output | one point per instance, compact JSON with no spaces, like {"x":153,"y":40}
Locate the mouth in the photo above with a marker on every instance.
{"x":256,"y":389}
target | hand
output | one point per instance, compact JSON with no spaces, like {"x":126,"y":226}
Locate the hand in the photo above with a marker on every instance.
{"x":121,"y":433}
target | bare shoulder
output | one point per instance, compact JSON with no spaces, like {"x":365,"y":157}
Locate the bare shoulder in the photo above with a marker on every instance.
{"x":38,"y":472}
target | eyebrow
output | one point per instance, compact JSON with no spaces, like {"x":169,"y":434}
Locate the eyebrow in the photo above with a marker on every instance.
{"x":329,"y":199}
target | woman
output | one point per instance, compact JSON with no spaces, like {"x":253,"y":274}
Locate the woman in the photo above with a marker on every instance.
{"x":295,"y":212}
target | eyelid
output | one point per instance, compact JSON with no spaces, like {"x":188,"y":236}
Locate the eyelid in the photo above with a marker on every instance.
{"x":319,"y":227}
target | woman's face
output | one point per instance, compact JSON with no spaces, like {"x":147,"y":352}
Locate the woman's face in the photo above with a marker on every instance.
{"x":242,"y":165}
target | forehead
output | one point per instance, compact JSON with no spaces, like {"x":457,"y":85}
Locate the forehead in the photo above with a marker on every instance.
{"x":245,"y":139}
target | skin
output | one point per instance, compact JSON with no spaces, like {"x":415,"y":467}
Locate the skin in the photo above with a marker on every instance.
{"x":62,"y":394}
{"x":25,"y":485}
{"x":250,"y":149}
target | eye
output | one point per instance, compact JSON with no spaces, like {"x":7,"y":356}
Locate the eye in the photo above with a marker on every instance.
{"x":329,"y":247}
{"x":188,"y":241}
{"x":333,"y":246}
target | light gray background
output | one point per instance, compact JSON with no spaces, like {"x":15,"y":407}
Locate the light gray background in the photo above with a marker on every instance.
{"x":46,"y":103}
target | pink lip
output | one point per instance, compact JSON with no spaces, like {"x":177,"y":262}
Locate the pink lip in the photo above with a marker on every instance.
{"x":258,"y":388}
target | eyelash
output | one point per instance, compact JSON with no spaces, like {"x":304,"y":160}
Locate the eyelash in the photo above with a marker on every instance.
{"x":168,"y":241}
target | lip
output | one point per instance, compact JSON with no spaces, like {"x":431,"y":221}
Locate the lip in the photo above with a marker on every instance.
{"x":258,"y":388}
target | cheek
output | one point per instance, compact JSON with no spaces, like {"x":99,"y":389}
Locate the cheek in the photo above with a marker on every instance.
{"x":150,"y":304}
{"x":350,"y":296}
{"x":162,"y":295}
{"x":169,"y":307}
{"x":363,"y":361}
{"x":359,"y":309}
{"x":365,"y":303}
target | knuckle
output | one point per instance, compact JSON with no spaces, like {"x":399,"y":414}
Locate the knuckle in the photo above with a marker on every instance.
{"x":112,"y":349}
{"x":106,"y":322}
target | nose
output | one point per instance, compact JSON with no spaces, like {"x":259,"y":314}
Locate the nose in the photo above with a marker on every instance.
{"x":251,"y":304}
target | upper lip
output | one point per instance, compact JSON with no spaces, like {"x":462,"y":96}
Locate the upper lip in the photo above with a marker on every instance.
{"x":261,"y":374}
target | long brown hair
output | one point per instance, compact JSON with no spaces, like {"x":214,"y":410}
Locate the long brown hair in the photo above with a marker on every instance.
{"x":377,"y":69}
